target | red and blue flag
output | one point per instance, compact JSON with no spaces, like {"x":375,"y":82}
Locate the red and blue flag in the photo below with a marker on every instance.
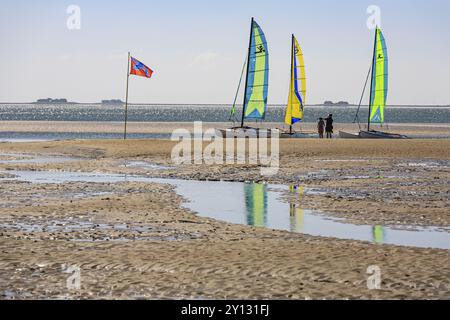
{"x":140,"y":69}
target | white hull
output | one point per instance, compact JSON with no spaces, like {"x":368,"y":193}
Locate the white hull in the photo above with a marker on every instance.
{"x":296,"y":135}
{"x":247,"y":132}
{"x":380,"y":135}
{"x":347,"y":135}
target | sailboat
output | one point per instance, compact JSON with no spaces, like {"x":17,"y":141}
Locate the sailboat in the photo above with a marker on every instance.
{"x":297,"y":91}
{"x":256,"y":84}
{"x":378,"y":93}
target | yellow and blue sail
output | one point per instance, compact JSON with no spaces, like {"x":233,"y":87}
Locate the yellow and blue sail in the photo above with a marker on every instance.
{"x":297,"y":89}
{"x":255,"y":103}
{"x":379,"y":88}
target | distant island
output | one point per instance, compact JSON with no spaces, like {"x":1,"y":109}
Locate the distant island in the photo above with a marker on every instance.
{"x":53,"y":101}
{"x":337,"y":104}
{"x":112,"y":102}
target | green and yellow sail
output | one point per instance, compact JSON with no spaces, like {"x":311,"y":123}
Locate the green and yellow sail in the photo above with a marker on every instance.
{"x":257,"y":80}
{"x":297,"y":89}
{"x":379,"y":87}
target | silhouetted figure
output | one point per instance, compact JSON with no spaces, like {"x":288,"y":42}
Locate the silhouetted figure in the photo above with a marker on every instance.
{"x":329,"y":126}
{"x":321,"y":127}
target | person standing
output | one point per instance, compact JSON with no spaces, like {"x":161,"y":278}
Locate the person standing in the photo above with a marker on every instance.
{"x":329,"y":126}
{"x":321,"y":127}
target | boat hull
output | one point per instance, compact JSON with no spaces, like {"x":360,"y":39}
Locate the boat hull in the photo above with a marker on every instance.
{"x":295,"y":135}
{"x":380,"y":135}
{"x":247,"y":132}
{"x":347,"y":135}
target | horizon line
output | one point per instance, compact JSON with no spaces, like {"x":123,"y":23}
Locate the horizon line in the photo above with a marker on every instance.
{"x":223,"y":104}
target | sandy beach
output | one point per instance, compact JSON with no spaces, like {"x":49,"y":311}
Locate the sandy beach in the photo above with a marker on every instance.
{"x":156,"y":151}
{"x":136,"y":240}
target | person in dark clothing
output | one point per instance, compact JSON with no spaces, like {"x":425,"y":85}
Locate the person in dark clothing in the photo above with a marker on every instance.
{"x":329,"y":126}
{"x":321,"y":127}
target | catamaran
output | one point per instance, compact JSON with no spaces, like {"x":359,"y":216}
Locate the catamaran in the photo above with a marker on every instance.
{"x":378,"y":93}
{"x":256,"y":84}
{"x":297,"y":91}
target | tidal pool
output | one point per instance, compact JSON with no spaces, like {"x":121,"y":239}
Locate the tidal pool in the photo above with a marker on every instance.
{"x":34,"y":158}
{"x":259,"y":205}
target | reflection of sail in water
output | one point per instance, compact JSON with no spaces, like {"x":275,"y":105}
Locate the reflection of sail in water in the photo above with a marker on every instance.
{"x":295,"y":213}
{"x":256,"y":204}
{"x":378,"y":234}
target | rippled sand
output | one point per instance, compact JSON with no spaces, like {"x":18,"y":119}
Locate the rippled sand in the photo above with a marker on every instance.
{"x":135,"y":240}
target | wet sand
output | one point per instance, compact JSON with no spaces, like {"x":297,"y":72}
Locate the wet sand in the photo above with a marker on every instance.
{"x":135,"y":240}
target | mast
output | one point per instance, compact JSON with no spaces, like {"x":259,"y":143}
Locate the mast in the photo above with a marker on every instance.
{"x":233,"y":110}
{"x":246,"y":77}
{"x":126,"y":100}
{"x":362,"y":97}
{"x":292,"y":76}
{"x":373,"y":72}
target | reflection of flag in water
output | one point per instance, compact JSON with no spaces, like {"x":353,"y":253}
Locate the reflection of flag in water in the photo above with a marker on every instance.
{"x":256,"y":204}
{"x":140,"y":69}
{"x":295,"y":213}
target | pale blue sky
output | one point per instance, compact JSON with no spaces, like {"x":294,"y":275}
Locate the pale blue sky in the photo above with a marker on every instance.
{"x":197,"y":49}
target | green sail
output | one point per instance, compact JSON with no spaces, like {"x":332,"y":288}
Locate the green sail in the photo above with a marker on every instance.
{"x":379,"y":88}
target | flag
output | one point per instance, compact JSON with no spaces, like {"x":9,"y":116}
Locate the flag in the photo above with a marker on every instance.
{"x":140,"y":69}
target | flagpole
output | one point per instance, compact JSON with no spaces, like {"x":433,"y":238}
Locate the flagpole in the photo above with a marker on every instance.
{"x":126,"y":99}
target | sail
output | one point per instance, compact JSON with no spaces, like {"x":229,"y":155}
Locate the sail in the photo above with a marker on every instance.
{"x":297,"y":91}
{"x":255,"y":100}
{"x":379,"y":87}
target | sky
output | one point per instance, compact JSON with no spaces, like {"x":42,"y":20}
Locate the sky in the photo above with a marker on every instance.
{"x":197,"y":49}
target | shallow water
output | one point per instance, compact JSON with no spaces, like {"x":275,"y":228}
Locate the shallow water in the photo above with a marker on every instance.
{"x":6,"y":136}
{"x":259,"y":205}
{"x":19,"y":158}
{"x":131,"y":232}
{"x":434,"y":164}
{"x":262,"y":206}
{"x":209,"y":113}
{"x":144,"y":165}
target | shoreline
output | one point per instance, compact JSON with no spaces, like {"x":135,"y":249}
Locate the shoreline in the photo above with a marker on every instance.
{"x":168,"y":127}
